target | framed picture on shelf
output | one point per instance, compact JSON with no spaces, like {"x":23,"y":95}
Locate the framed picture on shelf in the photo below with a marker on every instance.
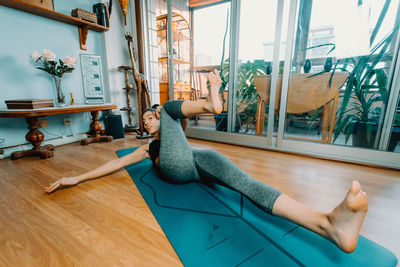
{"x":92,"y":79}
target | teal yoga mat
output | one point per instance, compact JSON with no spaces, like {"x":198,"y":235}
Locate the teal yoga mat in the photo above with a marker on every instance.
{"x":210,"y":225}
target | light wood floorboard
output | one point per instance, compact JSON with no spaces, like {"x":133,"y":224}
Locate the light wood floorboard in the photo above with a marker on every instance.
{"x":106,"y":222}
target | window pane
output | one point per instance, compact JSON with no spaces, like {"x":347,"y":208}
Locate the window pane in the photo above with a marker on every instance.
{"x":340,"y":67}
{"x":211,"y":44}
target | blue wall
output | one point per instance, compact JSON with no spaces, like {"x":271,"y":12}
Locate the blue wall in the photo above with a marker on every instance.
{"x":22,"y":33}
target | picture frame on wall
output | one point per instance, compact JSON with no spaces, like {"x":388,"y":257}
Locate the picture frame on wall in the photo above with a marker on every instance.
{"x":92,"y":79}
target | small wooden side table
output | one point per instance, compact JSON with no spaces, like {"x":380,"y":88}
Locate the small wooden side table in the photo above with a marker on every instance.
{"x":35,"y":136}
{"x":305,"y":94}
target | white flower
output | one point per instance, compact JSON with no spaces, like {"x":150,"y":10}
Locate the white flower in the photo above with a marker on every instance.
{"x":35,"y":55}
{"x":48,"y":55}
{"x":70,"y":61}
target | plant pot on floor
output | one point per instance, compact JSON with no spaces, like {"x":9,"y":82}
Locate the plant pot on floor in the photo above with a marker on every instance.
{"x":360,"y":138}
{"x":305,"y":123}
{"x":360,"y":134}
{"x":221,"y":122}
{"x":394,"y":138}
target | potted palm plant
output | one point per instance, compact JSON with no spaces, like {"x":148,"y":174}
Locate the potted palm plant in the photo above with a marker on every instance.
{"x":246,"y":93}
{"x":365,"y":93}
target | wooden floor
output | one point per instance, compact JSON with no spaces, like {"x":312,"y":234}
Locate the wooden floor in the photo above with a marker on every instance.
{"x":105,"y":222}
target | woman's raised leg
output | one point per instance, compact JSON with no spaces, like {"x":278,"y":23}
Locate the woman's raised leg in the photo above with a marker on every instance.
{"x":215,"y":167}
{"x":341,"y":226}
{"x":211,"y":105}
{"x":176,"y":158}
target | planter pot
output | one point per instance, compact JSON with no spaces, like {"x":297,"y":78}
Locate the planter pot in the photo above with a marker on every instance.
{"x":221,"y":122}
{"x":305,"y":123}
{"x":360,"y":135}
{"x":394,"y":139}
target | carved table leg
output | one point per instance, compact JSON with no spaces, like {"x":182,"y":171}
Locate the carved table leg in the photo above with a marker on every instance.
{"x":35,"y":137}
{"x":95,"y":131}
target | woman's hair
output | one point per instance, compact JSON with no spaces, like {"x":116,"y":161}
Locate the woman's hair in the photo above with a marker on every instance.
{"x":152,"y":109}
{"x":149,"y":109}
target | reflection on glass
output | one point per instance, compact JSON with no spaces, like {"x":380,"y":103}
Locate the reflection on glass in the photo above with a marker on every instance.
{"x":211,"y":46}
{"x":256,"y":39}
{"x":343,"y":50}
{"x":181,"y":56}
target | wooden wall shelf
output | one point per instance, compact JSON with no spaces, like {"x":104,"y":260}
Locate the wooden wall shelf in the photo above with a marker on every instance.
{"x":83,"y":26}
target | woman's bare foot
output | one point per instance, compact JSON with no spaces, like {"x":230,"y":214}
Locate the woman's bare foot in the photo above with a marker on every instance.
{"x":213,"y":104}
{"x":346,"y":219}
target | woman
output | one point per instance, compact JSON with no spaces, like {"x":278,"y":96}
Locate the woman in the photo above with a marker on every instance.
{"x":170,"y":151}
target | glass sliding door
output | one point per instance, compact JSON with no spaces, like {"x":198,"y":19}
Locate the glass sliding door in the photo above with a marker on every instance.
{"x":174,"y":50}
{"x":339,"y":77}
{"x":254,"y":65}
{"x":252,"y":44}
{"x":316,"y":77}
{"x":211,"y":31}
{"x":390,"y":136}
{"x":339,"y":93}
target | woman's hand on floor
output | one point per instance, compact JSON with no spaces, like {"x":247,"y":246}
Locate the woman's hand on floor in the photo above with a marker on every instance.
{"x":61,"y":183}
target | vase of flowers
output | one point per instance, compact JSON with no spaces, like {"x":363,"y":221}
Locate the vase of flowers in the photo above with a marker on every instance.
{"x":55,"y":68}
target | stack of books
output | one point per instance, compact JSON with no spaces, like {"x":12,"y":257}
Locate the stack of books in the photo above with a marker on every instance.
{"x":29,"y":103}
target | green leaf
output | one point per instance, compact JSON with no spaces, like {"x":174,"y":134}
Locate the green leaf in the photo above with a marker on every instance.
{"x":333,"y":48}
{"x":387,"y":42}
{"x":340,"y":125}
{"x":374,"y":99}
{"x":348,"y":131}
{"x":380,"y":21}
{"x":43,"y":69}
{"x":381,"y":78}
{"x":360,"y":67}
{"x":319,"y":73}
{"x":316,"y":46}
{"x":365,"y":86}
{"x":352,"y":59}
{"x":383,"y":41}
{"x":346,"y":62}
{"x":333,"y":72}
{"x":347,"y":94}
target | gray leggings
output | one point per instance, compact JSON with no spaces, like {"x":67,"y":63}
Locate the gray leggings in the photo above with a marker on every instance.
{"x":179,"y":163}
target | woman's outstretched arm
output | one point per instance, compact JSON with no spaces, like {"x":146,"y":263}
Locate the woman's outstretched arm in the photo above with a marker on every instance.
{"x":138,"y":155}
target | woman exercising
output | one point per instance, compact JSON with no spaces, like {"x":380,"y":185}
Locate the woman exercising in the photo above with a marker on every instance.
{"x":179,"y":163}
